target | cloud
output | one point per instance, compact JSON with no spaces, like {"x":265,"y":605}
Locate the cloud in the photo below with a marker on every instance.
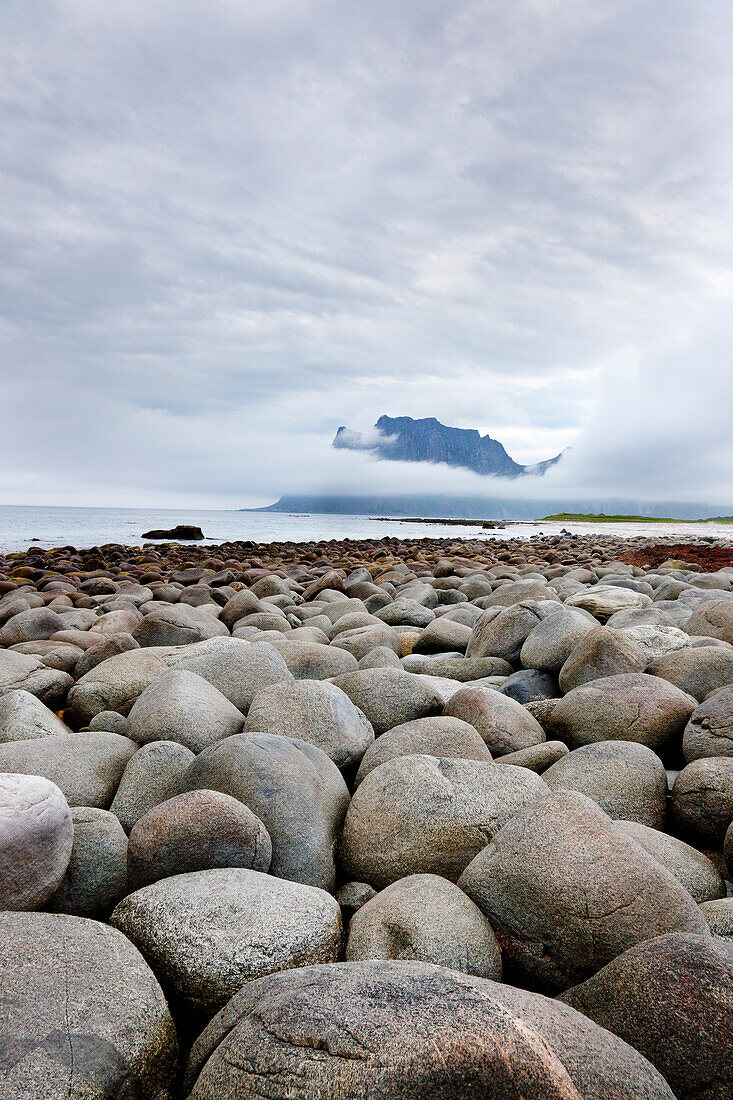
{"x":229,"y":228}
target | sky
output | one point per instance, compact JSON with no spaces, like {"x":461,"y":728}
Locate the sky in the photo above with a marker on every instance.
{"x":229,"y":227}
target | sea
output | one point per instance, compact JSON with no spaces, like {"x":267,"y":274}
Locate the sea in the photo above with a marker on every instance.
{"x":23,"y":527}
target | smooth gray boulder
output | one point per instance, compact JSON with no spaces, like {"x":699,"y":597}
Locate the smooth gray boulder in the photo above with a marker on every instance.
{"x":443,"y":635}
{"x":627,"y":780}
{"x":196,"y":831}
{"x":317,"y":712}
{"x":405,"y":612}
{"x":462,"y":669}
{"x":85,"y":1015}
{"x":602,"y":652}
{"x":24,"y":717}
{"x":177,"y":624}
{"x":672,"y":998}
{"x":537,"y":757}
{"x":96,"y":877}
{"x":413,"y":1030}
{"x":655,"y":639}
{"x":389,"y":696}
{"x":631,"y":707}
{"x":604,"y":600}
{"x":549,"y":644}
{"x":425,"y":815}
{"x":427,"y":919}
{"x":36,"y":837}
{"x":87,"y":767}
{"x":154,"y":774}
{"x":293,"y":788}
{"x":309,"y":660}
{"x":209,"y":932}
{"x":36,"y":624}
{"x":696,"y":670}
{"x":528,"y":685}
{"x":566,"y":892}
{"x":107,"y":646}
{"x":503,"y":723}
{"x":702,"y":798}
{"x":709,"y":731}
{"x":22,"y":670}
{"x":697,"y":873}
{"x":441,"y":736}
{"x":181,"y":706}
{"x":502,"y":633}
{"x":114,"y":684}
{"x":712,"y":619}
{"x":237,"y":668}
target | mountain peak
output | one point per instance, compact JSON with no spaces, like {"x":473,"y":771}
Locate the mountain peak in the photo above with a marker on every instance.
{"x":403,"y":439}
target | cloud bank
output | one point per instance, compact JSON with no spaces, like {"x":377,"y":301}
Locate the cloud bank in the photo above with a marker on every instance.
{"x":229,"y":228}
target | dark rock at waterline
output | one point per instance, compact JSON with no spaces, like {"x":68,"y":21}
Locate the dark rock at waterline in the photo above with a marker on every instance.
{"x":183,"y":531}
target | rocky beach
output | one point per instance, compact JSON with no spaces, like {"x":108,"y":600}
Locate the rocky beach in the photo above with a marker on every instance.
{"x":365,"y":820}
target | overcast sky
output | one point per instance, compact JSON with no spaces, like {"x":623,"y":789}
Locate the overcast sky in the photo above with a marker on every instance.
{"x":230,"y":226}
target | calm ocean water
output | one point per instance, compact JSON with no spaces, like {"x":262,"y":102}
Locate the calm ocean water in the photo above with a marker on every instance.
{"x":83,"y":527}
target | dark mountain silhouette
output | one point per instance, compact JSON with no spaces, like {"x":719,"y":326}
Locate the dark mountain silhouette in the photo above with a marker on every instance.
{"x":402,"y":439}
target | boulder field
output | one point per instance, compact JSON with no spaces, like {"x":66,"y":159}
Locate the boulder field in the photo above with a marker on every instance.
{"x":435,"y":819}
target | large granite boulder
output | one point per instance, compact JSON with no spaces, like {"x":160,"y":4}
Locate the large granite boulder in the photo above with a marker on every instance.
{"x":601,"y":652}
{"x":86,"y":766}
{"x":293,"y":788}
{"x":196,"y":831}
{"x":422,"y":814}
{"x":702,"y":798}
{"x":672,"y":999}
{"x":96,"y":877}
{"x":503,"y":724}
{"x":566,"y":892}
{"x":413,"y":1031}
{"x":441,"y":736}
{"x":207,"y":933}
{"x":84,"y":1016}
{"x":181,"y":706}
{"x":154,"y":774}
{"x":630,"y":707}
{"x":314,"y":711}
{"x":36,"y":837}
{"x":696,"y":871}
{"x":425,"y":918}
{"x":389,"y":696}
{"x":627,"y":780}
{"x":23,"y":717}
{"x":114,"y":684}
{"x":239,"y":669}
{"x":709,"y":731}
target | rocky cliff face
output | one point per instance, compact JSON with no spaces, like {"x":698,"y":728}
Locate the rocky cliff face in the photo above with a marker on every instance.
{"x":402,"y":439}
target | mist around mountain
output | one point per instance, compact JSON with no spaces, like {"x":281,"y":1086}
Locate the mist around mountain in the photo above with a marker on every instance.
{"x":402,"y":439}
